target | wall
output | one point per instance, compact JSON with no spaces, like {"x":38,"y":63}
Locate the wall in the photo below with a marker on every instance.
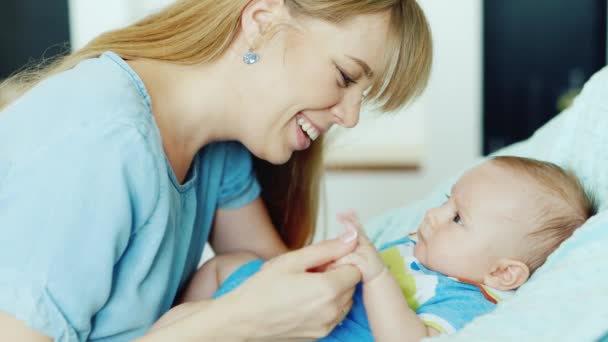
{"x":90,"y":18}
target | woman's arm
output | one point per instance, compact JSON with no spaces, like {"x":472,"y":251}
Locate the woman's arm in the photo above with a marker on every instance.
{"x":283,"y":301}
{"x":179,"y":324}
{"x":246,"y":229}
{"x":12,"y":329}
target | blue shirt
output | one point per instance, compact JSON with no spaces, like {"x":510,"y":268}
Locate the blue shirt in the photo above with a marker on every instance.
{"x":97,"y":235}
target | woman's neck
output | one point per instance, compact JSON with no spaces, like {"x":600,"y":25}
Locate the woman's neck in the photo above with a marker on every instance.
{"x":191,"y":107}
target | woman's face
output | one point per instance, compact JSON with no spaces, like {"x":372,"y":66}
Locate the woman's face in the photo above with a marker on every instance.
{"x":308,"y":78}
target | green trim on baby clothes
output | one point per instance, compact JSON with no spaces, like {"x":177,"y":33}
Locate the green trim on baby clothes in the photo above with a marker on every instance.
{"x":396,"y":265}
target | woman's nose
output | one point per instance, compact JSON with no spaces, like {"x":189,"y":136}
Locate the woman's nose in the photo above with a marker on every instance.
{"x":346,"y":112}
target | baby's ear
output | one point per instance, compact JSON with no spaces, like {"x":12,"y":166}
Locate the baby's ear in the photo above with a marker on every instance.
{"x":507,"y":274}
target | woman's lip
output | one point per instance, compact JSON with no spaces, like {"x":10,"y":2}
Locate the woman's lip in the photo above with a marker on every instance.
{"x":303,"y":141}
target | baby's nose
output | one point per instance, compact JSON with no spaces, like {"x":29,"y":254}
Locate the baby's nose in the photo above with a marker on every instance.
{"x":431,"y":217}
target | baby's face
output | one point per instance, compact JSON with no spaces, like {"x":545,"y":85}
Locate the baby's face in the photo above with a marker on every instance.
{"x":486,"y":217}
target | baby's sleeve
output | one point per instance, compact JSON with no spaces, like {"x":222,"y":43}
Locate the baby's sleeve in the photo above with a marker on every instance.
{"x":67,"y":211}
{"x":453,"y":306}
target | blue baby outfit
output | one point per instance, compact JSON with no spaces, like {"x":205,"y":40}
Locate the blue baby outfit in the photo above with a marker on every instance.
{"x":443,"y":303}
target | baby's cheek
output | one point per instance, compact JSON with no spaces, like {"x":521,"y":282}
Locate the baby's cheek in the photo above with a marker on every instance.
{"x":442,"y":255}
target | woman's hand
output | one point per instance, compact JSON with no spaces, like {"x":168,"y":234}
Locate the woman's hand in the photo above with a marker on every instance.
{"x":286,"y":301}
{"x":365,"y":257}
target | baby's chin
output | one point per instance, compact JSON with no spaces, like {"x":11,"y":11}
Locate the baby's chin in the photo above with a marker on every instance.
{"x":421,"y":254}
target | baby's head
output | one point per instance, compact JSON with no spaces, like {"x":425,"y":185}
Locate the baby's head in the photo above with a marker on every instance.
{"x":502,"y":220}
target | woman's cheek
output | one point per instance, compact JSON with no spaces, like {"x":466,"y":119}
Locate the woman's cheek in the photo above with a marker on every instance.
{"x":320,"y":88}
{"x":326,"y":97}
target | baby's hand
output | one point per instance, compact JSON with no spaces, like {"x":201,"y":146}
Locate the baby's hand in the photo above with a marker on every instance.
{"x":365,"y":257}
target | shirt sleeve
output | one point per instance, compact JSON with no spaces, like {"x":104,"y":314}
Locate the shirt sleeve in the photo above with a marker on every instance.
{"x":454,"y":305}
{"x":239,"y":185}
{"x":67,"y":212}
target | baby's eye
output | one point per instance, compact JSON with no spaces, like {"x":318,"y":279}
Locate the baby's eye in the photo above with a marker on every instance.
{"x":457,"y":219}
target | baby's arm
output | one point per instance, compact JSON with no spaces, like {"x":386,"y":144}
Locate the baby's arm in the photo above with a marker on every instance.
{"x":389,"y":316}
{"x":211,"y":275}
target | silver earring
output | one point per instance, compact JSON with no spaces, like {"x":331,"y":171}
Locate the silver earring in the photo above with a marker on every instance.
{"x":251,"y":57}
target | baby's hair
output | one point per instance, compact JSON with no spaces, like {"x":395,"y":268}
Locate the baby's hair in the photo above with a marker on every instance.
{"x":569,"y":206}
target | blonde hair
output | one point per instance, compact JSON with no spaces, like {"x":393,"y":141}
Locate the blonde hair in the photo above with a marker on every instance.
{"x":569,"y":207}
{"x":200,"y":31}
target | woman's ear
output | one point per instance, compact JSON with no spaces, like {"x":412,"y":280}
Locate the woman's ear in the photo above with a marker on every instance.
{"x":259,"y":18}
{"x":507,"y":274}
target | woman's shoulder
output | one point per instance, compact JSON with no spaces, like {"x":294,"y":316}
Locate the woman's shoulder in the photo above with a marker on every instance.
{"x":90,"y":118}
{"x":96,"y":92}
{"x":96,"y":106}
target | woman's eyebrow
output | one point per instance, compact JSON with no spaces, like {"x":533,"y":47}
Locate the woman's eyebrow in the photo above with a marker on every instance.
{"x":368,"y":71}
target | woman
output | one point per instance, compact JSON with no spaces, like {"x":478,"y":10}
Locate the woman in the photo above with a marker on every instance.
{"x":120,"y":161}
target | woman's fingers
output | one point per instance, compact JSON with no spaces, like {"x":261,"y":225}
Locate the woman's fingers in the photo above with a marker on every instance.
{"x":346,"y":301}
{"x":351,"y":224}
{"x":319,"y":254}
{"x":342,"y":278}
{"x":344,"y":308}
{"x":351,"y":259}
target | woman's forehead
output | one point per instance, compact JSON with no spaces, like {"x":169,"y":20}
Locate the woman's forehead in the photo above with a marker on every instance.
{"x":362,"y":37}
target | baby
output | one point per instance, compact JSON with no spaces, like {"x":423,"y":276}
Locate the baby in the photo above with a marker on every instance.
{"x":499,"y":224}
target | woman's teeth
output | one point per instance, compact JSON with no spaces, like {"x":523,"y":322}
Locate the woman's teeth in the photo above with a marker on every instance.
{"x":307,"y":127}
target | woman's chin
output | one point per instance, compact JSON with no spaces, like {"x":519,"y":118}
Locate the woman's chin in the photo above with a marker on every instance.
{"x":277,"y":157}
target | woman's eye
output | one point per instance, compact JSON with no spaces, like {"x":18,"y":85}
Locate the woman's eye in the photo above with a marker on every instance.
{"x":346,"y":80}
{"x":457,"y":219}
